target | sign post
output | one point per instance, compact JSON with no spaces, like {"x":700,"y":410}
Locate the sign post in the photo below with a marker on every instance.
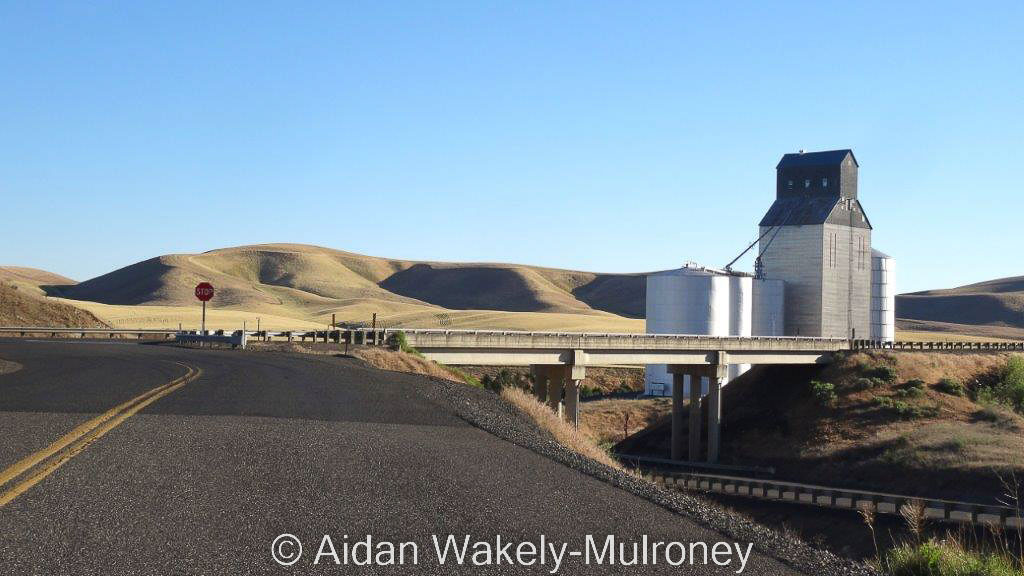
{"x":204,"y":292}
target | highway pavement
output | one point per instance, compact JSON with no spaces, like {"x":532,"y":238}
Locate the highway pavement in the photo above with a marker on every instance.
{"x":143,"y":459}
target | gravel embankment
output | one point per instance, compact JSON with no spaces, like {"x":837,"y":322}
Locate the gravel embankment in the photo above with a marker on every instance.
{"x":489,"y":412}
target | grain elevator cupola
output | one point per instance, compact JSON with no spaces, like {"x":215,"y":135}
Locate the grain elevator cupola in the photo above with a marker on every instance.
{"x":817,"y":239}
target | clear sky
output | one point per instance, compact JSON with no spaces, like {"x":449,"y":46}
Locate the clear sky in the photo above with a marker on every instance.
{"x":617,"y":137}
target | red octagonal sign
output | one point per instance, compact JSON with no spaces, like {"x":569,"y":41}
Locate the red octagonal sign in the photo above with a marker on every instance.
{"x":204,"y":291}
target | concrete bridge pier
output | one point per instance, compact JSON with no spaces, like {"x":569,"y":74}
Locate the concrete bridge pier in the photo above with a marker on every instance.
{"x":574,"y":376}
{"x":696,"y":386}
{"x":540,"y":381}
{"x":716,"y":374}
{"x":552,"y":382}
{"x":556,"y":376}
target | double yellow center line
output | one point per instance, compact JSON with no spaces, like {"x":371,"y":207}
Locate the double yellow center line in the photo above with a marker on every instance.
{"x":30,"y":470}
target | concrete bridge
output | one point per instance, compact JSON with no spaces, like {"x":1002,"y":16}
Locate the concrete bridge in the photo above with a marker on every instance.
{"x":558,"y":363}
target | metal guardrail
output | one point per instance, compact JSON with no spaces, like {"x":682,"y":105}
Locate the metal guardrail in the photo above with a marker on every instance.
{"x":23,"y":331}
{"x":351,"y":336}
{"x":842,"y":498}
{"x":236,"y":339}
{"x":535,"y":339}
{"x":941,"y":345}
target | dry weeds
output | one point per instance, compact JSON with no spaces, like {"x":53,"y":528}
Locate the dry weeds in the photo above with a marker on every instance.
{"x":397,"y":361}
{"x":612,"y":420}
{"x":579,"y":440}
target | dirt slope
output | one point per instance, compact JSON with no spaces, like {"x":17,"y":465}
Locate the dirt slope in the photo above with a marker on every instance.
{"x":950,"y":446}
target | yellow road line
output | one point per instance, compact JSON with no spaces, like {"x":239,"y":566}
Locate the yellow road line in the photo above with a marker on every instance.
{"x":72,"y":443}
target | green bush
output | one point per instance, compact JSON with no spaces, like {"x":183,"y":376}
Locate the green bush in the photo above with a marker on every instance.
{"x":940,"y":558}
{"x":906,"y":410}
{"x":1008,"y":389}
{"x":866,"y":383}
{"x":884,"y":373}
{"x":910,"y":393}
{"x":824,"y":393}
{"x":951,"y":386}
{"x":401,"y":343}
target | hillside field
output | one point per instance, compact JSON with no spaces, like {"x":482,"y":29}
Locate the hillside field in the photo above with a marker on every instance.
{"x":294,"y":286}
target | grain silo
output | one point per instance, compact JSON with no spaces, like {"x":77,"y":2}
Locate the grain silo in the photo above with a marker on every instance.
{"x":816,"y":238}
{"x":769,"y":308}
{"x":740,"y":314}
{"x":883,"y":297}
{"x":695,"y":300}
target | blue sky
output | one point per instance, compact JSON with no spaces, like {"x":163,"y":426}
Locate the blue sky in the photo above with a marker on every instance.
{"x":618,"y":137}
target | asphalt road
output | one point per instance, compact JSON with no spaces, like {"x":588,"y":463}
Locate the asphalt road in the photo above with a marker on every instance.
{"x":203,"y":479}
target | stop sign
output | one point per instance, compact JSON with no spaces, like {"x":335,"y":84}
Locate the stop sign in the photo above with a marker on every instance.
{"x":204,"y":291}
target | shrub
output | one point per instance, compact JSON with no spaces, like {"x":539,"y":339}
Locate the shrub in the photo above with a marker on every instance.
{"x":909,"y":393}
{"x":905,"y":410}
{"x":951,"y":386}
{"x":505,"y":378}
{"x":943,"y":558}
{"x":1008,"y":389}
{"x":863,"y":384}
{"x":401,"y":343}
{"x":915,"y":384}
{"x":884,"y":373}
{"x":997,"y":414}
{"x":824,"y":392}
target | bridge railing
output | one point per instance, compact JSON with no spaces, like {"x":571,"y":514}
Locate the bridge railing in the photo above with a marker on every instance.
{"x":938,"y":345}
{"x":620,"y":341}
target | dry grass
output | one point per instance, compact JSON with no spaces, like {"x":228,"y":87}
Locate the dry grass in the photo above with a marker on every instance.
{"x":928,"y":331}
{"x":292,"y":286}
{"x":396,"y":361}
{"x":308,"y":284}
{"x":579,"y":440}
{"x":613,"y":420}
{"x":20,"y":306}
{"x":189,"y":317}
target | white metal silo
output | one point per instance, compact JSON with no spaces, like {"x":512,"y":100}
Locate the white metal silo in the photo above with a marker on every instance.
{"x":740,"y":314}
{"x":769,"y":310}
{"x":883,"y":297}
{"x":693,"y":300}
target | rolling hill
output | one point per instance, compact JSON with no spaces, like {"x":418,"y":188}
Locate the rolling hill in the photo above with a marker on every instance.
{"x":24,"y":303}
{"x":994,"y":308}
{"x":293,"y":286}
{"x":290,"y":285}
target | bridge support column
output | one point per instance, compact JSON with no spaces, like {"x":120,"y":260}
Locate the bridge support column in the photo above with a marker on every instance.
{"x":717,"y":373}
{"x":678,"y":383}
{"x":556,"y":376}
{"x":540,"y":382}
{"x":696,"y":383}
{"x":573,"y":382}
